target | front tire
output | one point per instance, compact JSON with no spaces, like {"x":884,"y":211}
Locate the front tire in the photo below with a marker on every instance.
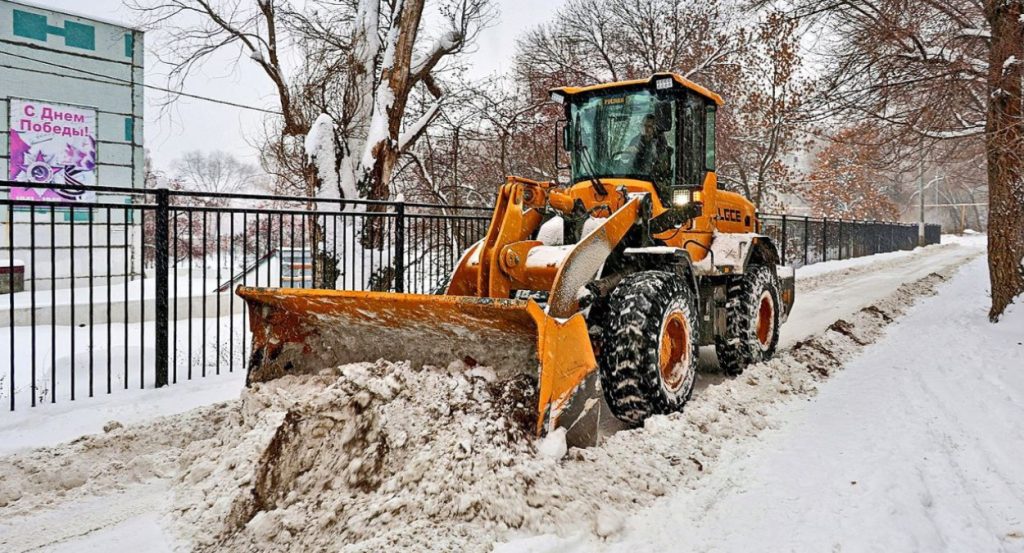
{"x":649,"y":350}
{"x":752,"y":319}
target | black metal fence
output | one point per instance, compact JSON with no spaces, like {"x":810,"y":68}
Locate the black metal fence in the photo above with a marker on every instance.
{"x":134,"y":288}
{"x":805,"y":240}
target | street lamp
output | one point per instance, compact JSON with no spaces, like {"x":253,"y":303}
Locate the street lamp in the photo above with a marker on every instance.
{"x":920,"y":191}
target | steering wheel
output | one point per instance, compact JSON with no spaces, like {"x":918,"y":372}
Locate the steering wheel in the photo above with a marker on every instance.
{"x":623,"y":152}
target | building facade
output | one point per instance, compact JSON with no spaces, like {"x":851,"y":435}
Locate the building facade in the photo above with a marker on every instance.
{"x":71,"y":113}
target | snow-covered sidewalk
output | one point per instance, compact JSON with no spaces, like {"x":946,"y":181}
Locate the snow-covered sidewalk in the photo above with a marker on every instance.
{"x":916,"y":446}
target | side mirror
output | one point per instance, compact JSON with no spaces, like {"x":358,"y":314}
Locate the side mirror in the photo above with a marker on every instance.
{"x":562,"y":136}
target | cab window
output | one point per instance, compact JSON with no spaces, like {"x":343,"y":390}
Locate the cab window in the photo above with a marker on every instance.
{"x":692,"y":156}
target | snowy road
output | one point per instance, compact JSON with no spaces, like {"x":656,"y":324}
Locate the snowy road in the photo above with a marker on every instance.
{"x":916,"y":446}
{"x":835,"y":289}
{"x":826,"y":296}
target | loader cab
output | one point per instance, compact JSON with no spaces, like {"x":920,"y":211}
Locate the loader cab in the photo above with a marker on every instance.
{"x":659,"y":130}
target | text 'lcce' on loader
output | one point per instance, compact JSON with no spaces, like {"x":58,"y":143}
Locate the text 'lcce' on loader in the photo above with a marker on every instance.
{"x":625,"y":271}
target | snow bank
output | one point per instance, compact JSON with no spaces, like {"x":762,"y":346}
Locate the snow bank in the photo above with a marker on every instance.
{"x":118,"y":457}
{"x":375,"y":457}
{"x":370,"y":454}
{"x":825,"y":267}
{"x":915,"y":446}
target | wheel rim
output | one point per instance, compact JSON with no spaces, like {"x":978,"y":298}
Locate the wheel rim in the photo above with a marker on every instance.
{"x":766,"y":320}
{"x":675,"y":353}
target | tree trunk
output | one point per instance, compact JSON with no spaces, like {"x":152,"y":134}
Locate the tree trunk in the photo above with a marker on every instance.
{"x":1004,"y":147}
{"x":396,"y":78}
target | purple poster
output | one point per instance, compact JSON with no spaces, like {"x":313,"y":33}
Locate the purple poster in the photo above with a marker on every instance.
{"x":52,"y":144}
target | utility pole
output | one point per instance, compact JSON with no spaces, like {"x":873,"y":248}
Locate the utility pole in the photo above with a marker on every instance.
{"x":920,"y":191}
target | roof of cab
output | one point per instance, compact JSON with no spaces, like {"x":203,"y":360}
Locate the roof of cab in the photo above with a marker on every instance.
{"x":571,"y":90}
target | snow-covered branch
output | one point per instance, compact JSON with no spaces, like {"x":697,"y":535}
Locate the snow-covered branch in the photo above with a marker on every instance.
{"x":409,"y":136}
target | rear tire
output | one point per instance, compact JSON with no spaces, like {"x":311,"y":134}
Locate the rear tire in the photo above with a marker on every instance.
{"x":752,"y":317}
{"x":649,"y":346}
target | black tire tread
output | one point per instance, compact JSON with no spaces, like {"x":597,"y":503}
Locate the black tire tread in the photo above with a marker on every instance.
{"x":629,"y":353}
{"x":739,"y":347}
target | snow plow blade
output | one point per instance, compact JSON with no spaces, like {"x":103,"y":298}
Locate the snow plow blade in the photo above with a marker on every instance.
{"x":304,"y":331}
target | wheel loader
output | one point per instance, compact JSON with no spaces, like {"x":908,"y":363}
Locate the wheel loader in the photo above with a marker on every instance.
{"x":617,"y":276}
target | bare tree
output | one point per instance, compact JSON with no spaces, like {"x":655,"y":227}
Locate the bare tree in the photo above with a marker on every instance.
{"x":390,"y":64}
{"x":762,"y":120}
{"x":359,"y":64}
{"x":215,"y":171}
{"x":946,"y":70}
{"x":196,"y":29}
{"x":850,"y":180}
{"x":595,"y":41}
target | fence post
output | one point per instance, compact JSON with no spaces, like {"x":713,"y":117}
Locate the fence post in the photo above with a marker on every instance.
{"x":400,"y":247}
{"x":841,"y":239}
{"x":824,"y":238}
{"x":161,"y":254}
{"x":783,"y":239}
{"x":807,"y":237}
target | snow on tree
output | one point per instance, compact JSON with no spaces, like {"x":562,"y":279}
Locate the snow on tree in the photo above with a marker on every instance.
{"x":323,"y":154}
{"x":360,"y":62}
{"x":387,"y":67}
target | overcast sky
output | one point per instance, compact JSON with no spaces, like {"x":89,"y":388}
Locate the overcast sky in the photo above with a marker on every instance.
{"x":196,"y":125}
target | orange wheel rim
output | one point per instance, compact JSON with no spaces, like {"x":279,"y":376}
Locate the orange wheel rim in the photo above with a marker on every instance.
{"x":765,"y":320}
{"x":675,"y":350}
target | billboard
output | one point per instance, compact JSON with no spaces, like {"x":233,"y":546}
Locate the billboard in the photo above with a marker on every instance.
{"x":51,"y":143}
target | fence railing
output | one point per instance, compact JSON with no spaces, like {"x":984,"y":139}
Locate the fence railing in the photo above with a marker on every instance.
{"x":805,"y":240}
{"x":135,"y":288}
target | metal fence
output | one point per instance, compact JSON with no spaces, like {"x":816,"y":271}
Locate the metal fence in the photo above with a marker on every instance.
{"x":805,"y":240}
{"x":134,"y":289}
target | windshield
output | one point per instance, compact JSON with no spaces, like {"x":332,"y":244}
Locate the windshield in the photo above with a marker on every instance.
{"x":625,"y":134}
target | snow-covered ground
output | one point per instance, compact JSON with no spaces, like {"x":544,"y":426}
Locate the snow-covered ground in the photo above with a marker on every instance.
{"x":843,"y":285}
{"x":923,"y":422}
{"x":916,"y":446}
{"x":132,"y":396}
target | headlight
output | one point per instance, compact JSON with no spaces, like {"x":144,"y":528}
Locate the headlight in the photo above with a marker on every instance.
{"x":682,"y":196}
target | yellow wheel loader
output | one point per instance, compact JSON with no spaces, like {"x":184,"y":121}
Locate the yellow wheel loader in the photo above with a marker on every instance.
{"x":618,"y":276}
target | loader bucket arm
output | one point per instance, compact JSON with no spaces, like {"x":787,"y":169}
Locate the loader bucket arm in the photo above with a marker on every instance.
{"x":305,"y":331}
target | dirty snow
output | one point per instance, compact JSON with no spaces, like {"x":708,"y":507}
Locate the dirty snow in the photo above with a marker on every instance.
{"x":372,"y":457}
{"x":449,"y":476}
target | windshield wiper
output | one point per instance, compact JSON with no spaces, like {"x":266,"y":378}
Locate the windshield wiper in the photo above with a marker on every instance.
{"x":594,"y":179}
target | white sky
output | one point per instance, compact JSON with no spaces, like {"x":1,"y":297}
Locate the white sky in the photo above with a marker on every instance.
{"x":197,"y":125}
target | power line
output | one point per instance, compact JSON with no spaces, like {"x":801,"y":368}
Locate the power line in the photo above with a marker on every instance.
{"x":116,"y":80}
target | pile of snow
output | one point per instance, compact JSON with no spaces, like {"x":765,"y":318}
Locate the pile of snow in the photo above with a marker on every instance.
{"x":380,"y":457}
{"x":119,"y":458}
{"x":369,"y":454}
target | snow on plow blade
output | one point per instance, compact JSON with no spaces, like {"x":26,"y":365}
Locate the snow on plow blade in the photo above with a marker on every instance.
{"x":303,"y":331}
